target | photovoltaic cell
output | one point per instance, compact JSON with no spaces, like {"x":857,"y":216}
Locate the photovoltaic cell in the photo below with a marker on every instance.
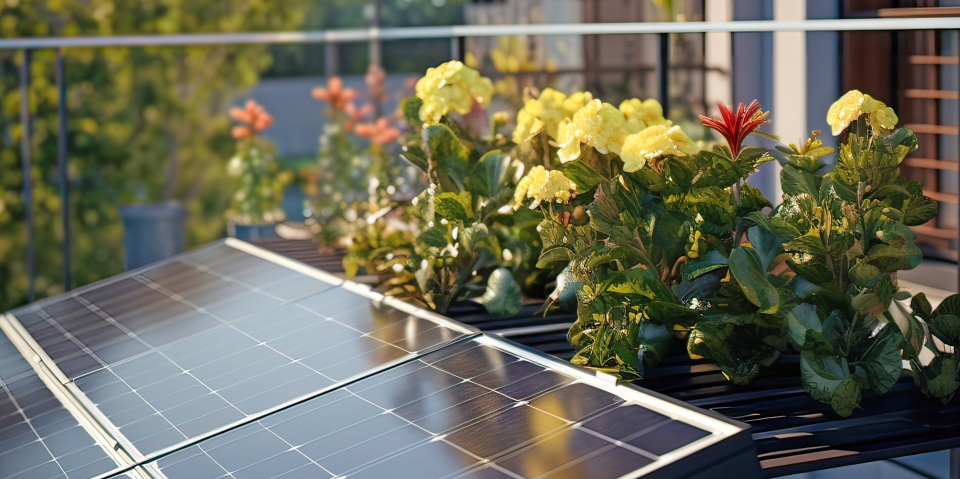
{"x":167,"y":355}
{"x":38,"y":436}
{"x":470,"y":410}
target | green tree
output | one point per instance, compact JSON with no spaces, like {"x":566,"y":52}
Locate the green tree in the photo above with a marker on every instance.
{"x":146,"y":124}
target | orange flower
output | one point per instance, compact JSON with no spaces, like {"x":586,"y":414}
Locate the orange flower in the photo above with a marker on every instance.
{"x":254,"y":117}
{"x":379,"y":133}
{"x":356,"y":114}
{"x":335,"y":94}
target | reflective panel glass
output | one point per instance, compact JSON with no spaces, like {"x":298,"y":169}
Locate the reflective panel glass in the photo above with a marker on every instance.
{"x":38,"y":436}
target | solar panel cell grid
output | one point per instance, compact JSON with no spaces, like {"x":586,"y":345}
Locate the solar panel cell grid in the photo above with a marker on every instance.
{"x":432,"y":418}
{"x":38,"y":437}
{"x":238,"y":369}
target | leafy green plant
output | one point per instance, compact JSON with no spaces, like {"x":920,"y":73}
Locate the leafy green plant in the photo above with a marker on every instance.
{"x":469,"y":243}
{"x":851,"y":238}
{"x":260,"y":183}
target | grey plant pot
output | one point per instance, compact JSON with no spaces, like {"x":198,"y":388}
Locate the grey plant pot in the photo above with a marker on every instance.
{"x":252,"y":232}
{"x":152,"y":232}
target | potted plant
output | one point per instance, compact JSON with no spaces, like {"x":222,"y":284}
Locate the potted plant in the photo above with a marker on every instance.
{"x":255,"y":205}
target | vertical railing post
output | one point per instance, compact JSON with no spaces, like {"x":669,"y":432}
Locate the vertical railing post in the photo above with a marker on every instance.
{"x":455,"y":50}
{"x":375,"y":48}
{"x":663,"y":72}
{"x":62,"y":166}
{"x":955,"y":453}
{"x":26,"y":166}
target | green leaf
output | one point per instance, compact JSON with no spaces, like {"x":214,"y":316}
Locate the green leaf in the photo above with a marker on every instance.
{"x":582,"y":174}
{"x":846,"y":397}
{"x":704,"y":264}
{"x":944,"y":322}
{"x":453,"y":206}
{"x":416,"y":156}
{"x":920,"y":210}
{"x":864,"y":274}
{"x":502,"y":296}
{"x":655,"y":340}
{"x":939,"y":378}
{"x":809,"y":243}
{"x":747,"y":268}
{"x":451,"y":159}
{"x":638,"y":281}
{"x":433,"y":237}
{"x":671,"y":314}
{"x":796,"y":182}
{"x":821,"y":375}
{"x":489,"y":174}
{"x":411,"y":111}
{"x":556,"y":254}
{"x":911,"y":330}
{"x":882,"y":361}
{"x":920,"y":306}
{"x":799,"y":320}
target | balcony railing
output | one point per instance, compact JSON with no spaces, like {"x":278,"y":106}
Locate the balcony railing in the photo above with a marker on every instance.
{"x":375,"y":35}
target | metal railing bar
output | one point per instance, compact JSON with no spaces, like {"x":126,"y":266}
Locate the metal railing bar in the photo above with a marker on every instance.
{"x":26,"y":165}
{"x":413,"y":33}
{"x":62,"y":166}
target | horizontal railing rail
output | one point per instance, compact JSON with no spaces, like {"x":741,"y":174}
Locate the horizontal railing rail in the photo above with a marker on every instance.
{"x":466,"y":31}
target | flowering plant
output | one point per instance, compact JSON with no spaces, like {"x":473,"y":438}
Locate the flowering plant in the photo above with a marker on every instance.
{"x":356,"y":175}
{"x":260,"y":184}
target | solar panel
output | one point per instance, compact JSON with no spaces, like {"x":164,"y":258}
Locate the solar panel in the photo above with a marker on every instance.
{"x":167,"y":355}
{"x":39,"y":438}
{"x":233,"y":362}
{"x":480,"y":409}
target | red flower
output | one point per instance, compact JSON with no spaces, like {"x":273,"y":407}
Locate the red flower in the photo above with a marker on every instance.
{"x":736,"y":127}
{"x":254,"y":117}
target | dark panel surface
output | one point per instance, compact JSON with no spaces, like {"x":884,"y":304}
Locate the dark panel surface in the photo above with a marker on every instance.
{"x":188,"y":347}
{"x":39,"y":439}
{"x":469,"y":410}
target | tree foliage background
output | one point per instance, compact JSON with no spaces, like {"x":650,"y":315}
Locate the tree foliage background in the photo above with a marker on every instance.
{"x":146,"y":124}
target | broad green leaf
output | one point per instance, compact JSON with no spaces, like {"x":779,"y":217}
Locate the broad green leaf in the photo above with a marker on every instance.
{"x":910,"y":329}
{"x":809,"y":243}
{"x":946,"y":327}
{"x":920,"y":306}
{"x":747,"y":268}
{"x":800,"y":319}
{"x":939,"y":378}
{"x":864,"y":274}
{"x":502,"y":296}
{"x":638,"y":281}
{"x":489,"y":173}
{"x":582,"y":174}
{"x":416,"y":156}
{"x":846,"y":397}
{"x":655,"y":340}
{"x":450,"y":157}
{"x":821,"y":375}
{"x":882,"y":361}
{"x":713,"y":260}
{"x":670,"y":314}
{"x":556,"y":254}
{"x":797,"y":182}
{"x":411,"y":111}
{"x":453,"y":206}
{"x":433,"y":237}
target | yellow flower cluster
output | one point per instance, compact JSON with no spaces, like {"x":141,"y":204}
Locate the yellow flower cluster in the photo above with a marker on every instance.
{"x":451,"y":86}
{"x":597,"y":124}
{"x":642,"y":114}
{"x":655,"y":142}
{"x":543,"y":185}
{"x":546,"y":112}
{"x":852,"y":105}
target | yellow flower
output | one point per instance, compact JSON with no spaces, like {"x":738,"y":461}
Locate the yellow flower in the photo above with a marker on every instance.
{"x":543,"y":185}
{"x":655,"y":142}
{"x":527,"y":125}
{"x":451,"y":86}
{"x":597,"y":124}
{"x":852,"y":105}
{"x":642,"y":114}
{"x":553,"y":106}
